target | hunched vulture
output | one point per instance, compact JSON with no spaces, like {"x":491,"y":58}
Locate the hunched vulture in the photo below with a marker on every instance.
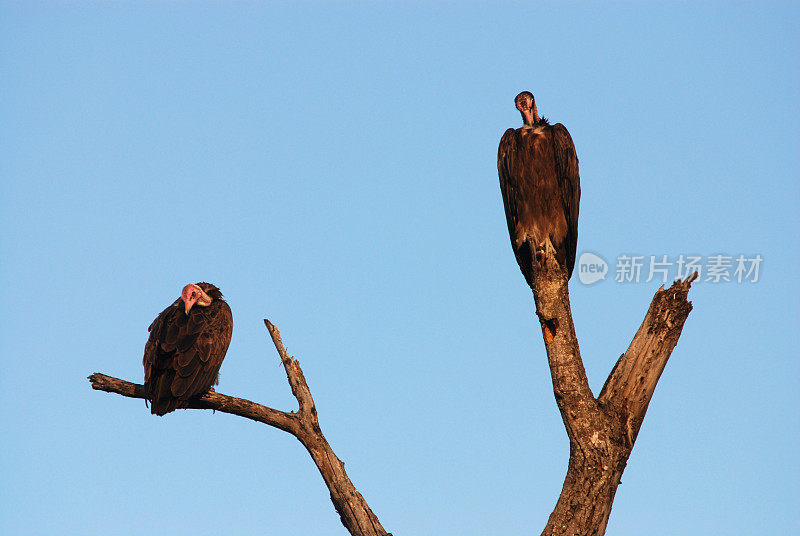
{"x":187,"y":344}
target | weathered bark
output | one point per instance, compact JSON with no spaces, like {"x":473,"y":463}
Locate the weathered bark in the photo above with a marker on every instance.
{"x":601,"y":430}
{"x":354,"y":512}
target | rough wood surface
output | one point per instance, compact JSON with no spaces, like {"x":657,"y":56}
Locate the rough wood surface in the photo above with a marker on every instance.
{"x":211,"y":400}
{"x":601,"y":430}
{"x":354,"y":512}
{"x":630,"y":386}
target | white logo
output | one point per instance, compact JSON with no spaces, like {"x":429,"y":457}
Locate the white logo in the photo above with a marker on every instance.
{"x":591,"y":268}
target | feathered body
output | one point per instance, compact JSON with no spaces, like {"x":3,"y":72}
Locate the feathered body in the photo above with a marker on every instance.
{"x":539,"y":180}
{"x":187,"y":344}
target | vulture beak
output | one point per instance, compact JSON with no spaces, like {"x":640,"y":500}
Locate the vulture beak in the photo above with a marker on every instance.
{"x":192,"y":294}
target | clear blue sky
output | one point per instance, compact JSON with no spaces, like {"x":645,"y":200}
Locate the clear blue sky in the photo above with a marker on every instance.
{"x":333,"y":168}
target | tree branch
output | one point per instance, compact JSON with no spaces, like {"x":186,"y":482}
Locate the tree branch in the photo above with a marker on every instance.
{"x":632,"y":381}
{"x":354,"y":512}
{"x":294,"y":374}
{"x":287,"y":422}
{"x":602,"y":431}
{"x":573,"y":395}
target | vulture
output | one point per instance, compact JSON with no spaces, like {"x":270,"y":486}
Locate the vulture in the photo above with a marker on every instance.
{"x":538,"y":171}
{"x":187,"y":344}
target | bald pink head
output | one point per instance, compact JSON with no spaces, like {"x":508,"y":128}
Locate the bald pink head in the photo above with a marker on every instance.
{"x":526,"y":105}
{"x":192,"y":294}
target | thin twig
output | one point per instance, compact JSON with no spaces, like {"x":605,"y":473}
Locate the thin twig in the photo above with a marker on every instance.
{"x":294,"y":373}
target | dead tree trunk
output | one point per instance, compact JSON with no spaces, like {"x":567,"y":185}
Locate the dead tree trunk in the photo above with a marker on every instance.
{"x":354,"y":512}
{"x":601,"y":430}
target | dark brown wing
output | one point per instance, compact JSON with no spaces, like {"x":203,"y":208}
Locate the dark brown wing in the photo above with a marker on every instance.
{"x":183,"y":355}
{"x":506,"y":153}
{"x":570,"y":186}
{"x":508,"y":162}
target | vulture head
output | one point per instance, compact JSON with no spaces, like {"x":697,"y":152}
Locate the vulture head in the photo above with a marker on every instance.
{"x":192,"y":294}
{"x":526,"y":105}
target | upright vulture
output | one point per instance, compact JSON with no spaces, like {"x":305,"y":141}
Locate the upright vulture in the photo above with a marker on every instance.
{"x":541,"y":188}
{"x":187,"y":344}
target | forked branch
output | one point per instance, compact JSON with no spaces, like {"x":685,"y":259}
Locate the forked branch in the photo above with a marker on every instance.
{"x":601,"y":430}
{"x":354,"y":512}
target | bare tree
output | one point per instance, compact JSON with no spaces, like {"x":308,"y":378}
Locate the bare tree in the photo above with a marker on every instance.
{"x":355,"y":513}
{"x":602,"y":430}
